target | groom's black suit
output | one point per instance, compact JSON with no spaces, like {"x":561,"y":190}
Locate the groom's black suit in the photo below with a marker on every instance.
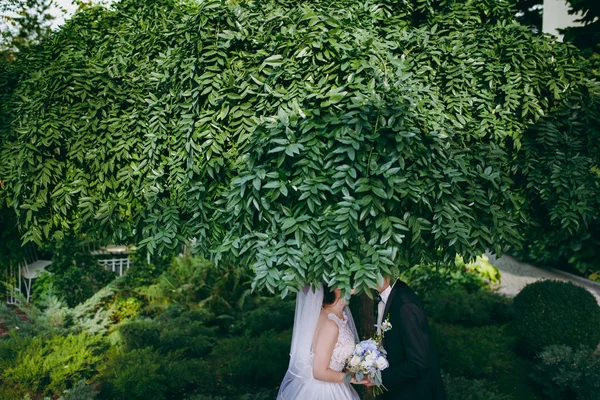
{"x":414,"y":372}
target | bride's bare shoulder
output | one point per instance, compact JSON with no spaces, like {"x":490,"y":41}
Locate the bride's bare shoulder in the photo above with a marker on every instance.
{"x":327,"y":324}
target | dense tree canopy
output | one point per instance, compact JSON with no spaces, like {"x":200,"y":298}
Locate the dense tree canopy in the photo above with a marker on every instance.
{"x":314,"y":140}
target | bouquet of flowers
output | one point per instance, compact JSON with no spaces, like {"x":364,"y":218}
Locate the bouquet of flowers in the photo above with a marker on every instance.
{"x":369,"y":359}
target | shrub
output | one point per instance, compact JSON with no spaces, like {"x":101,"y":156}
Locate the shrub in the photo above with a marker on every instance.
{"x":471,"y":389}
{"x":81,"y":391}
{"x":552,"y":312}
{"x":477,"y":352}
{"x":457,"y":306}
{"x":140,"y":334}
{"x":564,"y":373}
{"x":125,"y":309}
{"x":144,"y":273}
{"x":76,"y":274}
{"x":147,"y":374}
{"x":187,"y":335}
{"x":247,"y":396}
{"x":50,"y":366}
{"x":252,"y":361}
{"x":177,"y":311}
{"x":182,"y":333}
{"x":268,"y":313}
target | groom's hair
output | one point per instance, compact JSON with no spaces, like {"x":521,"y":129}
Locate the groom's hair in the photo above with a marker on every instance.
{"x":328,"y":295}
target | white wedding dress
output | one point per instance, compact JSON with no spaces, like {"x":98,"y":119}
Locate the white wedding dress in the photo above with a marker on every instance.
{"x":299,"y":383}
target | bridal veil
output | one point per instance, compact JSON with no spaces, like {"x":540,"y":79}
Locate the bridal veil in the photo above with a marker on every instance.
{"x":309,"y":302}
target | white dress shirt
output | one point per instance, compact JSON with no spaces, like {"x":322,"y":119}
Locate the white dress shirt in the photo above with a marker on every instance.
{"x":381,"y":306}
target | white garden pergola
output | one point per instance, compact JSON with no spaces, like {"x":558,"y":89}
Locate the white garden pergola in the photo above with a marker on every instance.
{"x":21,"y":277}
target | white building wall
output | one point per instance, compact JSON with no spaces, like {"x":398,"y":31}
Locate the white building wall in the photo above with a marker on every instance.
{"x":556,"y":16}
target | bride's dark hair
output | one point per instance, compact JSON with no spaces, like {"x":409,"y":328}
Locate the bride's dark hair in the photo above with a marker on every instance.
{"x":328,"y":296}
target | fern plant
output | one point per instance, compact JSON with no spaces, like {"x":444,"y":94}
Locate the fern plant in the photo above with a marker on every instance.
{"x":52,"y":316}
{"x":195,"y":283}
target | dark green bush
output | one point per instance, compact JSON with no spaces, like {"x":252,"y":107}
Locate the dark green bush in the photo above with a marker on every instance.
{"x":475,"y":352}
{"x":187,"y":335}
{"x":268,"y":395}
{"x":457,"y":306}
{"x":177,"y":311}
{"x":567,"y":374}
{"x":146,"y":374}
{"x":552,"y":312}
{"x":471,"y":389}
{"x":144,"y":273}
{"x":257,"y":362}
{"x":76,"y":274}
{"x":140,"y":334}
{"x":268,"y":313}
{"x":182,"y":333}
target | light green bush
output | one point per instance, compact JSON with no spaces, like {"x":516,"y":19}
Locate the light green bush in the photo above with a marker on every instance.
{"x":49,"y":366}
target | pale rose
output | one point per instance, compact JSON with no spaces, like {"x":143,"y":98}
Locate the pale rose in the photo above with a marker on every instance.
{"x":382,"y":363}
{"x":370,"y":358}
{"x":355,"y":361}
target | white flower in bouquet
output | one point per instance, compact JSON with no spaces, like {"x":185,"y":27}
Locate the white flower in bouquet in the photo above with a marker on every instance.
{"x":382,"y":363}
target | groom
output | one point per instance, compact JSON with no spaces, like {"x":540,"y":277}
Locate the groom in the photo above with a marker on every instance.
{"x":414,"y":372}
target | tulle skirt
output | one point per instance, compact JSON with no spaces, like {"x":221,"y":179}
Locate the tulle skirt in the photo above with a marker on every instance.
{"x":313,"y":389}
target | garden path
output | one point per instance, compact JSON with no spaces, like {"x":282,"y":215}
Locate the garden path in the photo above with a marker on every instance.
{"x":516,"y":275}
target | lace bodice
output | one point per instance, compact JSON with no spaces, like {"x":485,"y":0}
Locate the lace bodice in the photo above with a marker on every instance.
{"x":344,"y":345}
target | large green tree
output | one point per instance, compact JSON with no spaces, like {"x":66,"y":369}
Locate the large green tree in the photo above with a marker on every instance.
{"x":318,"y":140}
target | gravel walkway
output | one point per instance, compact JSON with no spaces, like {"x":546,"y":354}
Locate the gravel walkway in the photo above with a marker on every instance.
{"x":516,"y":275}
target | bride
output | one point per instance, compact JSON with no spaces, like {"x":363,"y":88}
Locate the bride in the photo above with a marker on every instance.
{"x":324,"y":336}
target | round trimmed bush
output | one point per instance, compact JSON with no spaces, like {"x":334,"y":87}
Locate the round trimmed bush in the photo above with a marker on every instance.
{"x":552,"y":312}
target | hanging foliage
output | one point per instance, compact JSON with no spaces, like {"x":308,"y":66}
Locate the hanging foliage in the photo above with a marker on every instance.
{"x":334,"y":140}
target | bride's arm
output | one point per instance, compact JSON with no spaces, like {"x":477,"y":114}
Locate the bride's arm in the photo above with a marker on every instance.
{"x":326,"y":338}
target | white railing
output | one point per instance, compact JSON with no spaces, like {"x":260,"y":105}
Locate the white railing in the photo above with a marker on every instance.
{"x":118,"y":265}
{"x":114,"y":258}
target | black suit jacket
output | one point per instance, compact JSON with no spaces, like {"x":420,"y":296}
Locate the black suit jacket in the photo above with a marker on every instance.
{"x":414,"y":371}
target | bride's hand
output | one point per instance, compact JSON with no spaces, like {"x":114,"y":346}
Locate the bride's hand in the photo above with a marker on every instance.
{"x":365,"y":381}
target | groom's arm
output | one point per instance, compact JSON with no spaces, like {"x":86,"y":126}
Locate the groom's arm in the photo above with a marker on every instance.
{"x":416,"y":347}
